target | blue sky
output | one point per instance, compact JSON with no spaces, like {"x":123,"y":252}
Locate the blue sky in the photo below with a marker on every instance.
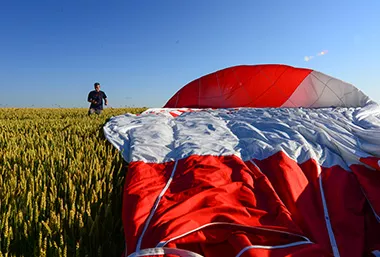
{"x":142,"y":52}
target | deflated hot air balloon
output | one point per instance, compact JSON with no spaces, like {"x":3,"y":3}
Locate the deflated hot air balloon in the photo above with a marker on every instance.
{"x":262,"y":160}
{"x":267,"y":86}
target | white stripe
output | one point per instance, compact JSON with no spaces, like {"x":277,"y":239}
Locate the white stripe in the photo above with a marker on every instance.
{"x":332,"y":137}
{"x":321,"y":90}
{"x":271,"y":247}
{"x":152,"y":211}
{"x":163,"y":243}
{"x":376,"y":253}
{"x":162,"y":251}
{"x":327,"y":218}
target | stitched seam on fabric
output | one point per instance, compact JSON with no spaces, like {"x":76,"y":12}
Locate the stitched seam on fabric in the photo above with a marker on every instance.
{"x":155,"y":206}
{"x":370,"y":205}
{"x":217,"y":81}
{"x":294,"y":92}
{"x":327,"y":219}
{"x":274,"y":191}
{"x":273,"y":82}
{"x":242,"y":85}
{"x":344,"y":104}
{"x":270,"y":247}
{"x":163,"y":243}
{"x":163,"y":251}
{"x":176,"y":102}
{"x":199,"y":92}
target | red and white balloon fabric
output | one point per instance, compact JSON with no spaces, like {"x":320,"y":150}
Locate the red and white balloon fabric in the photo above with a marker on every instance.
{"x":268,"y":85}
{"x":253,"y":177}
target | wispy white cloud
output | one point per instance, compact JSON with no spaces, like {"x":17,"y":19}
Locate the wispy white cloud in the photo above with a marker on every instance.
{"x":309,"y":57}
{"x":322,"y":53}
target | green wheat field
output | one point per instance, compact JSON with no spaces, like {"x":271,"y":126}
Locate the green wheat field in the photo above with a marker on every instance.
{"x":61,"y":184}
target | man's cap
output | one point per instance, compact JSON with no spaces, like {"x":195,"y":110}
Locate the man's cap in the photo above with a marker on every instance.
{"x":96,"y":84}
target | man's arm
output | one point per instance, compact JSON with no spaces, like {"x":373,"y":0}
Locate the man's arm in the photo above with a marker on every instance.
{"x":105,"y":98}
{"x":90,"y":100}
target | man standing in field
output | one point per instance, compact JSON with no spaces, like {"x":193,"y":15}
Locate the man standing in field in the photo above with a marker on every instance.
{"x":95,"y":97}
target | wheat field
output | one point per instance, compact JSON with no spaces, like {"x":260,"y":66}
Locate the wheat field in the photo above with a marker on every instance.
{"x":60,"y":184}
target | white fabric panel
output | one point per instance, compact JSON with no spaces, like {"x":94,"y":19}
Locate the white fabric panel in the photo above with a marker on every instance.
{"x":320,"y":90}
{"x":304,"y":95}
{"x":331,"y":136}
{"x":146,"y":137}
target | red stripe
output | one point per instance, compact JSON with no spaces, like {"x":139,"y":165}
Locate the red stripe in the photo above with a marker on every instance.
{"x":373,"y":162}
{"x":241,"y":86}
{"x":174,"y":114}
{"x":209,"y":194}
{"x":370,"y":183}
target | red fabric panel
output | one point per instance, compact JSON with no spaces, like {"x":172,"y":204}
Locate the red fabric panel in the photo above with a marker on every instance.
{"x":143,"y":184}
{"x":373,"y":162}
{"x":208,"y":189}
{"x":205,"y":189}
{"x":345,"y":202}
{"x":312,"y":250}
{"x":241,"y":86}
{"x":217,"y":206}
{"x":370,"y":183}
{"x":283,"y":80}
{"x":298,"y":187}
{"x":210,"y":92}
{"x":372,"y":231}
{"x":233,"y":89}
